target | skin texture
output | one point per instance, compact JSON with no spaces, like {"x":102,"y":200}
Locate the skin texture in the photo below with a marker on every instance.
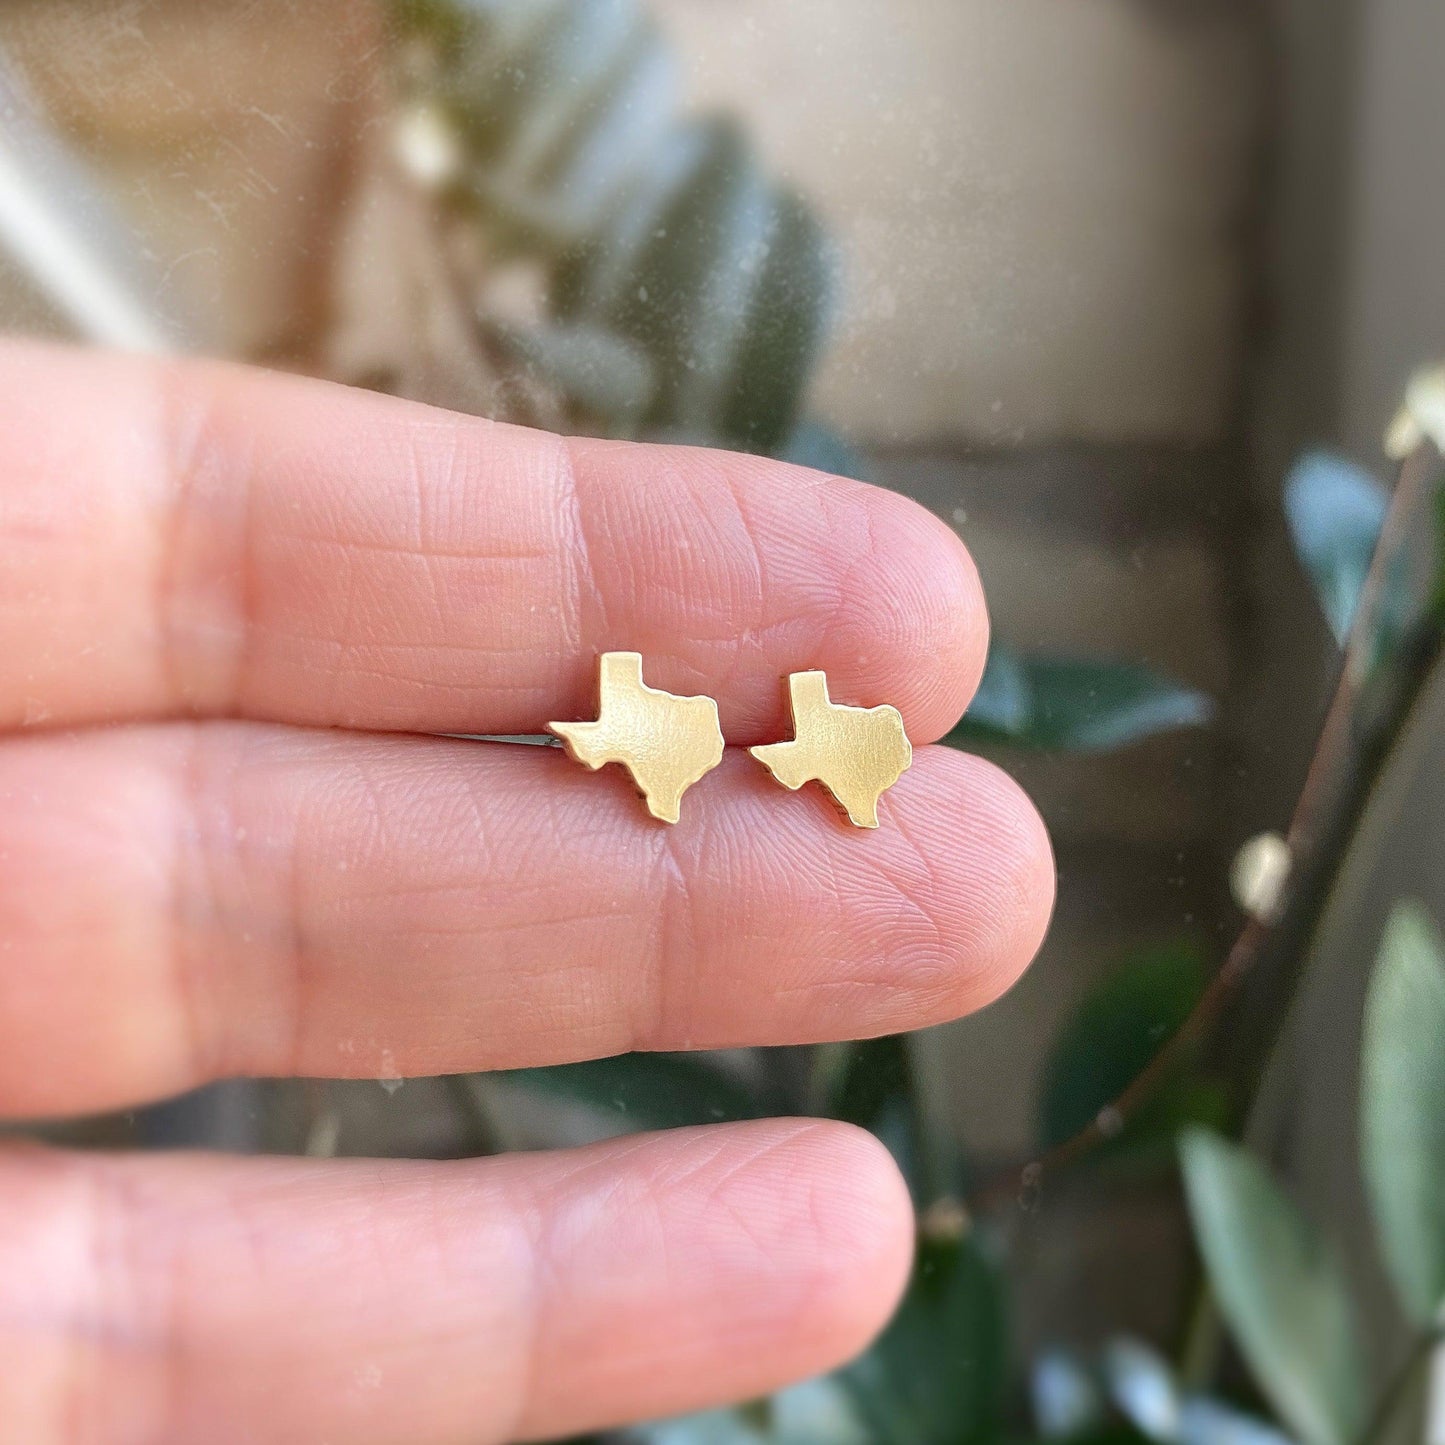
{"x":230,"y":606}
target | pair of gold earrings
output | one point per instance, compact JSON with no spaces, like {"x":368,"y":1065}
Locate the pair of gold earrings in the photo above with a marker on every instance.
{"x":667,"y":742}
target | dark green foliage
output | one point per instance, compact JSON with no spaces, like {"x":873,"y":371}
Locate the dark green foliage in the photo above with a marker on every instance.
{"x":1075,"y":704}
{"x":937,"y":1375}
{"x":1118,"y":1028}
{"x":687,"y":296}
{"x":603,"y":374}
{"x":785,"y":327}
{"x":664,"y":235}
{"x":652,"y":1091}
{"x":874,"y":1087}
{"x":1438,"y":607}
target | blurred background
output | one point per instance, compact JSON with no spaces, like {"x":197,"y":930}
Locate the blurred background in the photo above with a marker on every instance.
{"x":1128,"y":292}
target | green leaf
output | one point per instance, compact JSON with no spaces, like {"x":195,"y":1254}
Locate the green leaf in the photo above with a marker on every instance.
{"x":814,"y":445}
{"x":1065,"y":1395}
{"x":624,"y":134}
{"x":1111,"y":1432}
{"x":688,"y":298}
{"x":937,"y":1375}
{"x":438,"y":20}
{"x":666,"y":233}
{"x":1075,"y":704}
{"x":784,"y":331}
{"x":1402,"y":1108}
{"x":717,"y":274}
{"x":1003,"y":705}
{"x":1080,"y":705}
{"x":1438,"y":601}
{"x":873,"y":1087}
{"x":652,"y":1091}
{"x":500,"y":69}
{"x":1117,"y":1029}
{"x":1206,"y":1421}
{"x":1143,"y":1387}
{"x":1279,"y":1289}
{"x":1335,"y":511}
{"x":597,"y":370}
{"x":560,"y":80}
{"x":584,"y":106}
{"x":593,"y":281}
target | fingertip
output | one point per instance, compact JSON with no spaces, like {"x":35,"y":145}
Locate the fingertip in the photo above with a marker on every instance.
{"x":800,"y":570}
{"x":979,"y":872}
{"x":748,"y":1255}
{"x":866,"y":1225}
{"x":914,"y":616}
{"x":1025,"y":882}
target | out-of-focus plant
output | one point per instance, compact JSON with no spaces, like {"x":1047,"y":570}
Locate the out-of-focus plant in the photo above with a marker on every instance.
{"x":1075,"y":704}
{"x":1277,"y":1281}
{"x":1129,"y":1391}
{"x":1115,"y":1032}
{"x":682,"y":291}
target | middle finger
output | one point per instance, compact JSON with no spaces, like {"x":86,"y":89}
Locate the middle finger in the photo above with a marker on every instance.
{"x":219,"y":542}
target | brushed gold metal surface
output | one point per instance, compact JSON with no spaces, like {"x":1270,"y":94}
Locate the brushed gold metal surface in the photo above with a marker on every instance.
{"x":857,"y":753}
{"x":666,"y":742}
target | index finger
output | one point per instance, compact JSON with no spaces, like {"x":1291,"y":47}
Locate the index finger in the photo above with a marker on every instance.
{"x":195,"y":539}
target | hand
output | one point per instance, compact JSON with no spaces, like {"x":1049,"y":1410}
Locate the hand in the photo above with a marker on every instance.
{"x":231,"y":606}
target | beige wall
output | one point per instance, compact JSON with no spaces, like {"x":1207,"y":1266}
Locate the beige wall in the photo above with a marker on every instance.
{"x":1041,"y":202}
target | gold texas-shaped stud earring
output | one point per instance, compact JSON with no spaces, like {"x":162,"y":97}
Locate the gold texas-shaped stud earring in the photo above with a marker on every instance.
{"x":666,"y":742}
{"x":857,"y":753}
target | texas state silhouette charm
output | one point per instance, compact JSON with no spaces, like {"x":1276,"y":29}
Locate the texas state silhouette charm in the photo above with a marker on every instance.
{"x":856,"y":753}
{"x":666,"y":742}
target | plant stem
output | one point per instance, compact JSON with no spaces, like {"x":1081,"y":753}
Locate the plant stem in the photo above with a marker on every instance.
{"x":1395,"y":1392}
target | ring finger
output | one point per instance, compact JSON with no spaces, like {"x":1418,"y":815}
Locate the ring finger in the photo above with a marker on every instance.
{"x":188,"y":901}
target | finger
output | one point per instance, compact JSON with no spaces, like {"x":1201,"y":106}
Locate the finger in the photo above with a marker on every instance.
{"x":191,"y":1298}
{"x":186,"y":902}
{"x":211,"y":541}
